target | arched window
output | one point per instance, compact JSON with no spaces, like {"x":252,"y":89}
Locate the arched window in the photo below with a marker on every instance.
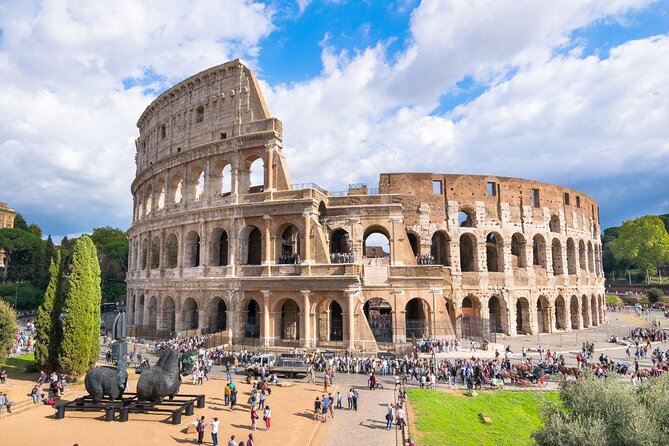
{"x":252,"y":320}
{"x":290,"y":244}
{"x":155,"y":252}
{"x":494,"y":252}
{"x":571,"y":256}
{"x":417,"y":317}
{"x":256,"y":176}
{"x":145,"y":253}
{"x":518,"y":253}
{"x":539,"y":251}
{"x":376,"y":243}
{"x":149,"y":200}
{"x":192,"y":250}
{"x":161,"y":195}
{"x":468,"y":253}
{"x":466,"y":218}
{"x":172,"y":248}
{"x":336,"y":322}
{"x":199,"y":185}
{"x":556,"y":255}
{"x":339,"y":243}
{"x":582,"y":256}
{"x":440,"y":248}
{"x":190,"y":314}
{"x":414,"y":242}
{"x":254,"y":246}
{"x":219,"y":247}
{"x":226,"y":180}
{"x":290,"y":321}
{"x":178,"y":191}
{"x":379,"y":317}
{"x":554,"y":224}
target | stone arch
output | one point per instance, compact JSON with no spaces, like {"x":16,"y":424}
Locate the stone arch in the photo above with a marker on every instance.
{"x":468,"y":252}
{"x":497,"y":315}
{"x":417,"y":318}
{"x":543,"y":315}
{"x":376,"y":242}
{"x":219,"y":248}
{"x":594,"y":313}
{"x":254,"y":174}
{"x":339,"y":242}
{"x":148,"y":200}
{"x":582,"y":256}
{"x":571,"y":256}
{"x":192,"y":250}
{"x":414,"y":242}
{"x":539,"y":251}
{"x":494,"y":248}
{"x":554,"y":224}
{"x":226,"y":179}
{"x":178,"y":189}
{"x":466,"y":218}
{"x":161,"y":194}
{"x":574,"y":309}
{"x":168,"y":319}
{"x":289,"y":243}
{"x":145,"y":253}
{"x":379,"y":314}
{"x":518,"y":251}
{"x":218,"y":315}
{"x":471,"y":316}
{"x":440,"y":249}
{"x":155,"y":252}
{"x":139,"y":310}
{"x":251,"y":318}
{"x":591,"y":259}
{"x":289,"y":327}
{"x":561,"y":314}
{"x":585,"y":311}
{"x":336,"y":322}
{"x":556,"y":256}
{"x":190,"y":314}
{"x":198,"y":185}
{"x":172,"y":251}
{"x":251,"y":245}
{"x":523,"y":325}
{"x":153,"y":312}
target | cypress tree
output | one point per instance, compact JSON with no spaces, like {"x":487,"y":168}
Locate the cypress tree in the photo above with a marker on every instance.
{"x":80,"y":346}
{"x":47,"y":336}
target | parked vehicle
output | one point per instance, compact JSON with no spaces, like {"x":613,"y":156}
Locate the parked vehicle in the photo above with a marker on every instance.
{"x":255,"y":365}
{"x":290,"y":367}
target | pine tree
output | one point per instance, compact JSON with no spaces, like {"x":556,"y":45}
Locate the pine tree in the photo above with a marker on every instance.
{"x":80,"y":347}
{"x":47,"y":336}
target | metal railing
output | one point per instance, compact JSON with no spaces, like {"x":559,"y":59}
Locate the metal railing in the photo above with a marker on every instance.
{"x":300,"y":186}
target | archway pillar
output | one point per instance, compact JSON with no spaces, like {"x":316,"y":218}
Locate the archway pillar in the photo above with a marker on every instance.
{"x":567,"y":314}
{"x":202,"y":322}
{"x":307,"y":238}
{"x":552,"y":315}
{"x":266,"y":337}
{"x":534,"y":316}
{"x":231,"y":314}
{"x":270,"y":149}
{"x":512,"y":312}
{"x":178,"y":318}
{"x":266,"y":242}
{"x":306,"y":339}
{"x":349,"y":335}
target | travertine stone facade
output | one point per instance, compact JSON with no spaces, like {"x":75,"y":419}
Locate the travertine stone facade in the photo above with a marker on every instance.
{"x":6,"y":221}
{"x":216,"y":219}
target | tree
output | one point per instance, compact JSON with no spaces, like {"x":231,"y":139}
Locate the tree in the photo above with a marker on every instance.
{"x":20,"y":222}
{"x":598,"y":412}
{"x":8,"y":327}
{"x":47,"y":326}
{"x":25,"y":251}
{"x":654,"y":295}
{"x":50,"y":251}
{"x":80,"y":346}
{"x":643,"y":242}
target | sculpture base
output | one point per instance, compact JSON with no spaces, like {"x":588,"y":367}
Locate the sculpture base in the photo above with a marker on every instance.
{"x":129,"y":404}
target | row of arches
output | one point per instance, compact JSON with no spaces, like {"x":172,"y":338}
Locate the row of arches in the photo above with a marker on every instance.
{"x":193,"y":183}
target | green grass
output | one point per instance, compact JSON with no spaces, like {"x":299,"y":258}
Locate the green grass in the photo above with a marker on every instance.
{"x":22,"y":364}
{"x":454,"y":419}
{"x":612,"y":299}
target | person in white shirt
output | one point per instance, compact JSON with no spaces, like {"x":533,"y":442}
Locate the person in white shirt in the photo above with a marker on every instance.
{"x":214,"y":431}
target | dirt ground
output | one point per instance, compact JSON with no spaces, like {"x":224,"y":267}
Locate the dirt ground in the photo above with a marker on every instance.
{"x":291,"y":424}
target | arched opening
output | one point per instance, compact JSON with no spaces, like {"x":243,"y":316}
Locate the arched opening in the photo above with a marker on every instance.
{"x":290,"y":321}
{"x":571,"y":256}
{"x":336,"y":323}
{"x":543,"y":315}
{"x":414,"y":242}
{"x":560,"y":313}
{"x":573,"y":310}
{"x":495,"y":315}
{"x":518,"y":253}
{"x":494,"y":249}
{"x":468,"y":253}
{"x":161,"y":194}
{"x":523,"y":316}
{"x":226,"y":180}
{"x":339,"y":247}
{"x":440,"y":249}
{"x":466,"y":218}
{"x":594,"y":311}
{"x":198,"y":189}
{"x":178,"y":191}
{"x":153,"y":312}
{"x":322,"y":213}
{"x":554,"y":224}
{"x":376,"y":243}
{"x":582,"y":256}
{"x":220,"y":322}
{"x":172,"y":248}
{"x":539,"y":251}
{"x":155,"y":252}
{"x":417,"y":315}
{"x":168,"y":319}
{"x":591,"y":259}
{"x":148,"y":207}
{"x":379,"y":316}
{"x":471,"y":314}
{"x":556,"y":255}
{"x":145,"y":253}
{"x":192,"y":250}
{"x":190,"y":314}
{"x":139,"y":311}
{"x":251,"y":245}
{"x":289,"y":244}
{"x":257,"y":176}
{"x":252,"y":320}
{"x":585,"y":311}
{"x":219,"y":247}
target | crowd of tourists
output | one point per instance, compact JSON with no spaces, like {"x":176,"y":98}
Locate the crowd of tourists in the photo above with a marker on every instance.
{"x":425,"y":259}
{"x":342,"y":257}
{"x":293,"y":259}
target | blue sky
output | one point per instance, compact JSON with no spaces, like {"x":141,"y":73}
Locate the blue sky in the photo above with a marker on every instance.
{"x":572,"y":92}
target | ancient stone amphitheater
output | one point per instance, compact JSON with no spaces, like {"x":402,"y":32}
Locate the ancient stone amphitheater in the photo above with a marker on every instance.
{"x":222,"y":241}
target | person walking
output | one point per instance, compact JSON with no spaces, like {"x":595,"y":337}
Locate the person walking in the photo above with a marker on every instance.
{"x":214,"y":431}
{"x":317,"y":408}
{"x":233,"y":399}
{"x":389,"y":417}
{"x":254,"y":417}
{"x":331,"y":405}
{"x":267,"y":417}
{"x":372,"y":381}
{"x":324,"y":412}
{"x":200,"y":430}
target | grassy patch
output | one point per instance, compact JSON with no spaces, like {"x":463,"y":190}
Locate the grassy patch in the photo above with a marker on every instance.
{"x":612,"y":299}
{"x":451,"y":418}
{"x":22,"y":364}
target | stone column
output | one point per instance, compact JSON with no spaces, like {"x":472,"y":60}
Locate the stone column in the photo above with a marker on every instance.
{"x":305,"y":323}
{"x":350,"y":318}
{"x":307,"y":237}
{"x":266,"y":337}
{"x":267,"y":244}
{"x":270,"y":148}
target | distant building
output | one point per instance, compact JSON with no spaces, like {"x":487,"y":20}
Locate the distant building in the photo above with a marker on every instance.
{"x":6,"y":221}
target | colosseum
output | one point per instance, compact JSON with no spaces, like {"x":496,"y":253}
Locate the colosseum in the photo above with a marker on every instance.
{"x":223,"y":242}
